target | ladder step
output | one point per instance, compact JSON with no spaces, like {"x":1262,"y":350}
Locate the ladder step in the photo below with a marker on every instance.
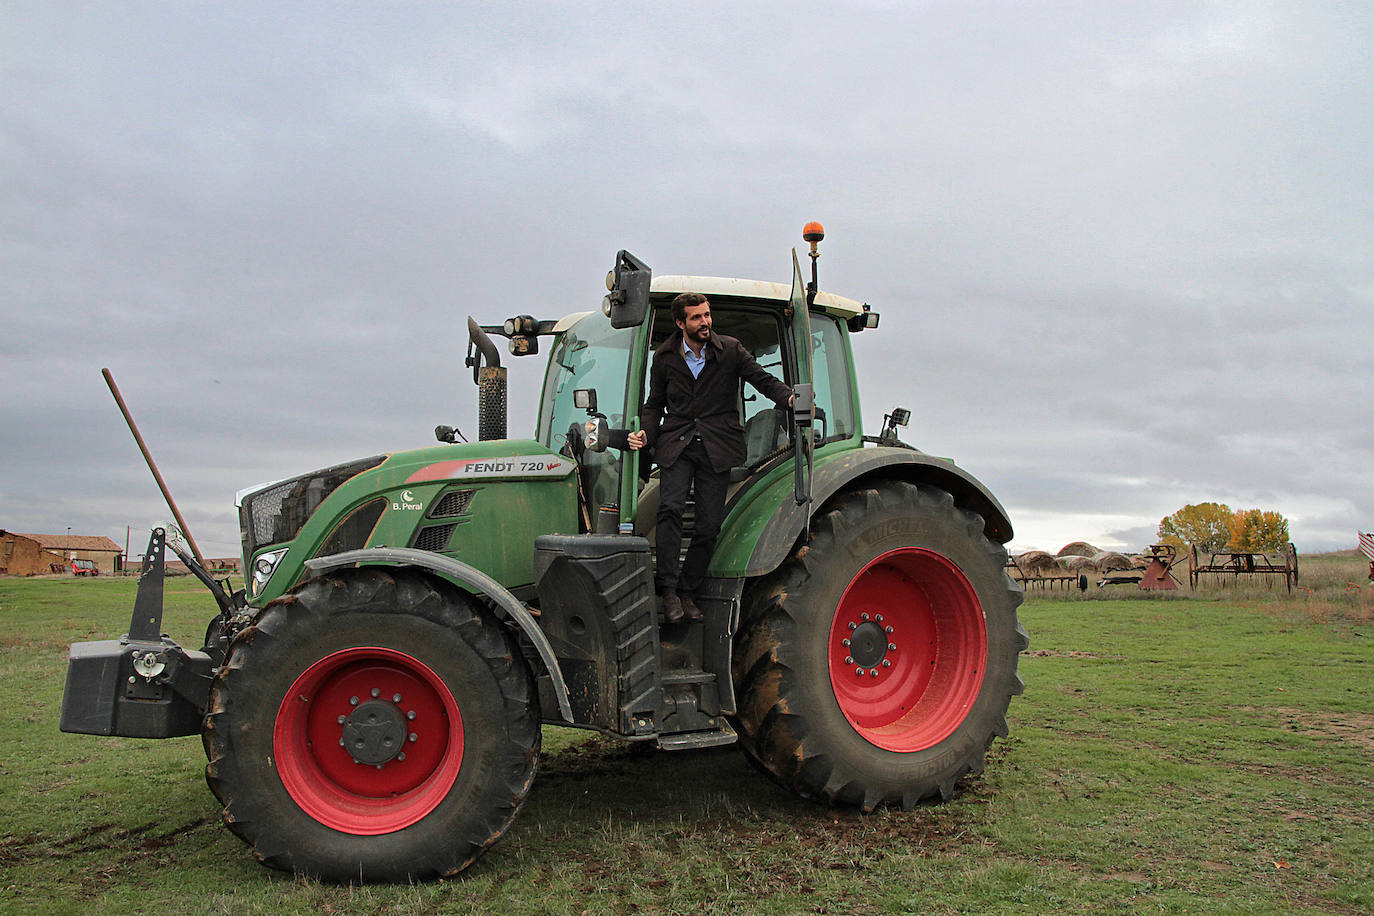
{"x":690,"y":741}
{"x":687,"y":676}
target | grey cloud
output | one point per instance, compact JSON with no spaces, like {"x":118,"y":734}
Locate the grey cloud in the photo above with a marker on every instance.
{"x":1120,"y":251}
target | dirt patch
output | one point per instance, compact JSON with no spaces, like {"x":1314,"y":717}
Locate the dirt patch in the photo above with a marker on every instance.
{"x":1058,"y":653}
{"x":1351,"y":728}
{"x":101,"y":837}
{"x":775,"y":844}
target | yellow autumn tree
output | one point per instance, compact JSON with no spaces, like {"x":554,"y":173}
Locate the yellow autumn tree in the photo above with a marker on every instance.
{"x":1258,"y":531}
{"x":1205,"y":525}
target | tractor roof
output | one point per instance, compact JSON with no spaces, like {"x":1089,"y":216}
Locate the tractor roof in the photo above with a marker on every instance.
{"x":671,"y":285}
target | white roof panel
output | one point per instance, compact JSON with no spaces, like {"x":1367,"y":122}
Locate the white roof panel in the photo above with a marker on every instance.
{"x":751,"y":289}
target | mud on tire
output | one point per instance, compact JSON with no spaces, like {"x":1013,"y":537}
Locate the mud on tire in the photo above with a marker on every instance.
{"x":875,"y":665}
{"x":372,"y":725}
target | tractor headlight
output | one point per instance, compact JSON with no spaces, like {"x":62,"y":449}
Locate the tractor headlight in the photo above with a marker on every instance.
{"x":263,"y":567}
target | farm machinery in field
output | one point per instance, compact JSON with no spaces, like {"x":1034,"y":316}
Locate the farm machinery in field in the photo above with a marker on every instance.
{"x":371,"y":703}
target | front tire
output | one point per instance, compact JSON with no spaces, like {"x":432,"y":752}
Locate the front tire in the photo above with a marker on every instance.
{"x":875,"y":666}
{"x":372,"y":725}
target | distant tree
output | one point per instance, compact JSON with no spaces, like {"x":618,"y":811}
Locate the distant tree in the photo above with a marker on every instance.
{"x":1207,"y":526}
{"x":1257,"y":531}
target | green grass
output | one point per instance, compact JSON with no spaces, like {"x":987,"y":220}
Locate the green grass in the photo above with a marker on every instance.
{"x":1192,"y":753}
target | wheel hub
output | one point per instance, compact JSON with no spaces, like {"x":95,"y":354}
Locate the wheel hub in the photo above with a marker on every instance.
{"x":375,"y":733}
{"x":868,"y":644}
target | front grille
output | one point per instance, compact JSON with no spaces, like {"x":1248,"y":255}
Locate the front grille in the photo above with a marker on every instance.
{"x":434,"y":538}
{"x":452,"y":503}
{"x":277,"y":514}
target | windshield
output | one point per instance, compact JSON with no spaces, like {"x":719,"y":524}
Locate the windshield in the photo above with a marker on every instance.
{"x":590,"y":354}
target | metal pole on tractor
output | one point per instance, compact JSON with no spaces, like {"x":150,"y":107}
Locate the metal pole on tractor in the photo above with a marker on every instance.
{"x":813,"y":233}
{"x":152,"y":466}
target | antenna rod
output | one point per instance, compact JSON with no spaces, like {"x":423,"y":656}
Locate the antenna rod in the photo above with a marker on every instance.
{"x":813,"y":233}
{"x":152,"y":466}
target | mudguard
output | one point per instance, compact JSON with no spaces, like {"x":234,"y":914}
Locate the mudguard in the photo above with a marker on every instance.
{"x":779,"y":535}
{"x":467,"y":575}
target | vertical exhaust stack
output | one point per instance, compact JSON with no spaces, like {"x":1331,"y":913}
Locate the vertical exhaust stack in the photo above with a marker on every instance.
{"x":490,"y":378}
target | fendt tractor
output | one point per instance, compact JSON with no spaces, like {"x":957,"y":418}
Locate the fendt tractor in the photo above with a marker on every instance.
{"x":371,"y":702}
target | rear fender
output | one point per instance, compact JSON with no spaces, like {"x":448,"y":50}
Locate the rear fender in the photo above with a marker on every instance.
{"x":461,"y":573}
{"x":852,"y":467}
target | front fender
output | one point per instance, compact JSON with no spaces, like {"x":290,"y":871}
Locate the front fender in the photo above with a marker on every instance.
{"x":834,"y":473}
{"x":463,"y":574}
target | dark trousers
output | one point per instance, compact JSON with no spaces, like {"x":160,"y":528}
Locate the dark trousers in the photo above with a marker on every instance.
{"x":674,"y":482}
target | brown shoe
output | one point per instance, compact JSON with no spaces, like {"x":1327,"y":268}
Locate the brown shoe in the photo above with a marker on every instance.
{"x":689,"y":608}
{"x":672,"y":607}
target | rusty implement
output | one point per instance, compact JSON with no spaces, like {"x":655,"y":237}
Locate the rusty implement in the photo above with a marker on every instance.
{"x":1157,"y":574}
{"x":1234,"y":564}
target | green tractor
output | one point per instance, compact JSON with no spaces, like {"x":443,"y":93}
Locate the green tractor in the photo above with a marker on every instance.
{"x":371,"y":702}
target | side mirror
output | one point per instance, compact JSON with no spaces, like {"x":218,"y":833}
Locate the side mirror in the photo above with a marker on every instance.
{"x":585,"y":399}
{"x":598,"y":435}
{"x":627,"y":303}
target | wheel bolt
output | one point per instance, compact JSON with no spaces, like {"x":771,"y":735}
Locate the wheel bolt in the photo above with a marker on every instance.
{"x":874,"y":672}
{"x":401,"y":756}
{"x":376,"y":692}
{"x":410,"y":714}
{"x":863,"y":616}
{"x":849,"y":659}
{"x":343,"y":719}
{"x":395,"y":698}
{"x":859,"y":672}
{"x":892,"y":647}
{"x":878,"y":618}
{"x":352,"y":701}
{"x":887,"y":663}
{"x":853,"y":625}
{"x":844,"y":642}
{"x":414,"y":737}
{"x":888,"y":628}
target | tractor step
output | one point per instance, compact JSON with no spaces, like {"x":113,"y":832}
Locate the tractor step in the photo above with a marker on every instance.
{"x":687,"y":676}
{"x":691,"y":741}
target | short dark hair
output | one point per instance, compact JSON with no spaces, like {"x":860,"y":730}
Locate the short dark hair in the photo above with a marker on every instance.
{"x":682,"y":301}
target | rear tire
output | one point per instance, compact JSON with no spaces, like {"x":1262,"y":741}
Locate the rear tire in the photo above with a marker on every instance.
{"x":372,"y":725}
{"x":875,"y":666}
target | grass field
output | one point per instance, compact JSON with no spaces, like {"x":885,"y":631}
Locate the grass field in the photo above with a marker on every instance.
{"x":1190,"y":753}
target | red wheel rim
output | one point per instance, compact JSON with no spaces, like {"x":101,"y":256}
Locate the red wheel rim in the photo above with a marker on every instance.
{"x":907,"y":651}
{"x":356,"y":758}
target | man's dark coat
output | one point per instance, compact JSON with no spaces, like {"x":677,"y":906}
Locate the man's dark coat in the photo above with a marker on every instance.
{"x":680,"y":406}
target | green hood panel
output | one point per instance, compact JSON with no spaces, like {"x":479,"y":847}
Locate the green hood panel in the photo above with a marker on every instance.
{"x":482,"y":503}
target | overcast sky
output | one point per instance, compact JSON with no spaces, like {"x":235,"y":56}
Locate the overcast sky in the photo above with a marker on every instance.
{"x":1122,"y":251}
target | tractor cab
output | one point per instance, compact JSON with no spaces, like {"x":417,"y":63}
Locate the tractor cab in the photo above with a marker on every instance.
{"x":591,"y":360}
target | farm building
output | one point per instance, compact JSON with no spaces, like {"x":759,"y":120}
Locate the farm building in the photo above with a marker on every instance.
{"x":37,"y":554}
{"x":21,"y":555}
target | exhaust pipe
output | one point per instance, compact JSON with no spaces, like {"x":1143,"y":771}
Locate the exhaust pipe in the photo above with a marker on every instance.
{"x":491,"y":383}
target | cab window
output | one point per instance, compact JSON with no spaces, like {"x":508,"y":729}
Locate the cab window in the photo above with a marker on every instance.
{"x":830,"y":375}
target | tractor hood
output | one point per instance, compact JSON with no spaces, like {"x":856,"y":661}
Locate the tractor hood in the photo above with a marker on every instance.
{"x":415,"y":498}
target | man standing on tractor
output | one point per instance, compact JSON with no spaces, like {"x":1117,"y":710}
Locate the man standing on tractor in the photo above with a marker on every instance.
{"x":691,"y":419}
